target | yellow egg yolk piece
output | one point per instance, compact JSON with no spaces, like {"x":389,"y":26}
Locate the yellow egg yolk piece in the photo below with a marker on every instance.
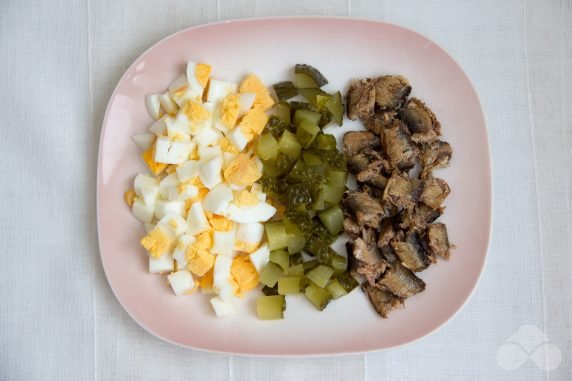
{"x":129,"y":197}
{"x":226,"y":146}
{"x":157,"y":243}
{"x":246,"y":198}
{"x":242,"y":171}
{"x":195,"y":112}
{"x":252,"y":84}
{"x":244,"y":274}
{"x":229,"y":109}
{"x":253,"y":122}
{"x":171,"y":168}
{"x":199,"y":259}
{"x":202,"y":73}
{"x":218,"y":222}
{"x":148,"y":158}
{"x":245,"y":247}
{"x":206,"y":281}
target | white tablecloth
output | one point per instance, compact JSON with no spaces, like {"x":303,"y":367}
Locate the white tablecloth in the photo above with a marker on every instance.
{"x":59,"y":62}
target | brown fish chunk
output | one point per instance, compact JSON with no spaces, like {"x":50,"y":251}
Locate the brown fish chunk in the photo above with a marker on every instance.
{"x":356,"y":141}
{"x":396,"y":143}
{"x":368,"y":211}
{"x":435,"y":155}
{"x":411,"y":253}
{"x":438,"y":240}
{"x":401,"y":191}
{"x":382,"y":301}
{"x":380,"y":120}
{"x":360,"y":99}
{"x":435,"y":191}
{"x":401,"y":281}
{"x":420,"y":120}
{"x":390,"y":91}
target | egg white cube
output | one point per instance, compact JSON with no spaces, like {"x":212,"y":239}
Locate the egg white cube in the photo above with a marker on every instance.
{"x":189,"y":191}
{"x":167,"y":182}
{"x":219,"y":89}
{"x":227,"y":158}
{"x":196,"y":219}
{"x":249,"y":214}
{"x":207,"y":136}
{"x":162,"y":264}
{"x":142,"y":211}
{"x":175,"y":223}
{"x":179,"y":84}
{"x":250,"y":234}
{"x":260,"y":257}
{"x":181,"y":281}
{"x":144,"y":140}
{"x":245,"y":102}
{"x":146,"y":188}
{"x":237,"y":138}
{"x":159,"y":127}
{"x":188,"y":170}
{"x":210,"y":172}
{"x":223,"y":243}
{"x":218,"y":199}
{"x":194,"y":83}
{"x":168,"y":104}
{"x":172,"y":152}
{"x":207,"y":153}
{"x":221,"y":272}
{"x":178,"y":128}
{"x":226,"y":292}
{"x":153,"y":105}
{"x":181,"y":248}
{"x":217,"y":122}
{"x":222,"y":308}
{"x":162,"y":208}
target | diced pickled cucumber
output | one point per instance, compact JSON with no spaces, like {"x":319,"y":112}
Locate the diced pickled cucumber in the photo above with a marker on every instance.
{"x":325,"y":142}
{"x":315,"y":96}
{"x":333,"y":219}
{"x":270,"y":290}
{"x":310,"y":265}
{"x":305,"y":114}
{"x":285,"y":90}
{"x":266,"y":146}
{"x":347,"y":281}
{"x":336,"y":107}
{"x":296,"y":270}
{"x":304,"y":81}
{"x":310,"y":159}
{"x":335,"y":289}
{"x":289,"y":285}
{"x":320,"y":275}
{"x":276,"y":235}
{"x":311,"y":71}
{"x":296,"y":259}
{"x":318,"y":296}
{"x":289,"y":144}
{"x":336,"y":178}
{"x":283,"y":112}
{"x":325,"y":118}
{"x":319,"y":203}
{"x":306,"y":133}
{"x":333,"y":195}
{"x":339,"y":263}
{"x":296,"y":242}
{"x":281,"y":258}
{"x":270,"y":274}
{"x":276,"y":126}
{"x":271,"y":307}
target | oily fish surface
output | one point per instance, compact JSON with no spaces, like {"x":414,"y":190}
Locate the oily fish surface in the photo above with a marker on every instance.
{"x":200,"y":203}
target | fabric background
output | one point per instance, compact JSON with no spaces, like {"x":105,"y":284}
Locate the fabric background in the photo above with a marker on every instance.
{"x":59,"y":62}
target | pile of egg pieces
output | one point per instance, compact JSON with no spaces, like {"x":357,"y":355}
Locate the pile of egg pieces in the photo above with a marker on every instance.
{"x":201,"y":205}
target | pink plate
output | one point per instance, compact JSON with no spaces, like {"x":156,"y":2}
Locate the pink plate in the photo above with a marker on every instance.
{"x":342,"y":49}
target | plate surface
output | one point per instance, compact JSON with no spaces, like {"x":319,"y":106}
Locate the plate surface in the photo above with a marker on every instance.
{"x":342,"y":49}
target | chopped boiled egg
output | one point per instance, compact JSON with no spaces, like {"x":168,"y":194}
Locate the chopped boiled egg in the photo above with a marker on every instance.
{"x":218,"y":199}
{"x":222,"y":275}
{"x":260,"y":212}
{"x":159,"y":127}
{"x":178,"y":128}
{"x":237,"y":138}
{"x":162,"y":208}
{"x":196,"y":220}
{"x":182,"y":192}
{"x":244,"y":274}
{"x":181,"y":281}
{"x":143,"y":212}
{"x":171,"y":151}
{"x":245,"y":102}
{"x":198,"y":75}
{"x":207,"y":136}
{"x":166,"y":183}
{"x":146,"y":188}
{"x":248,"y":237}
{"x":207,"y":153}
{"x":206,"y":282}
{"x":222,"y":308}
{"x":163,"y":264}
{"x":227,"y":113}
{"x":198,"y":256}
{"x":227,"y":158}
{"x":153,"y":105}
{"x":210,"y":171}
{"x":158,"y":242}
{"x":144,"y":141}
{"x":242,"y":171}
{"x":219,"y":222}
{"x":253,"y":122}
{"x":187,"y":170}
{"x":219,"y":89}
{"x":181,"y":248}
{"x":223,"y":242}
{"x":168,"y":104}
{"x":175,"y":223}
{"x":227,"y":147}
{"x":252,"y":84}
{"x":260,"y":257}
{"x":149,"y":159}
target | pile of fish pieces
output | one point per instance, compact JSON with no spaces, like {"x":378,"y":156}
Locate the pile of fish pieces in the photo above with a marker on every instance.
{"x":391,"y":216}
